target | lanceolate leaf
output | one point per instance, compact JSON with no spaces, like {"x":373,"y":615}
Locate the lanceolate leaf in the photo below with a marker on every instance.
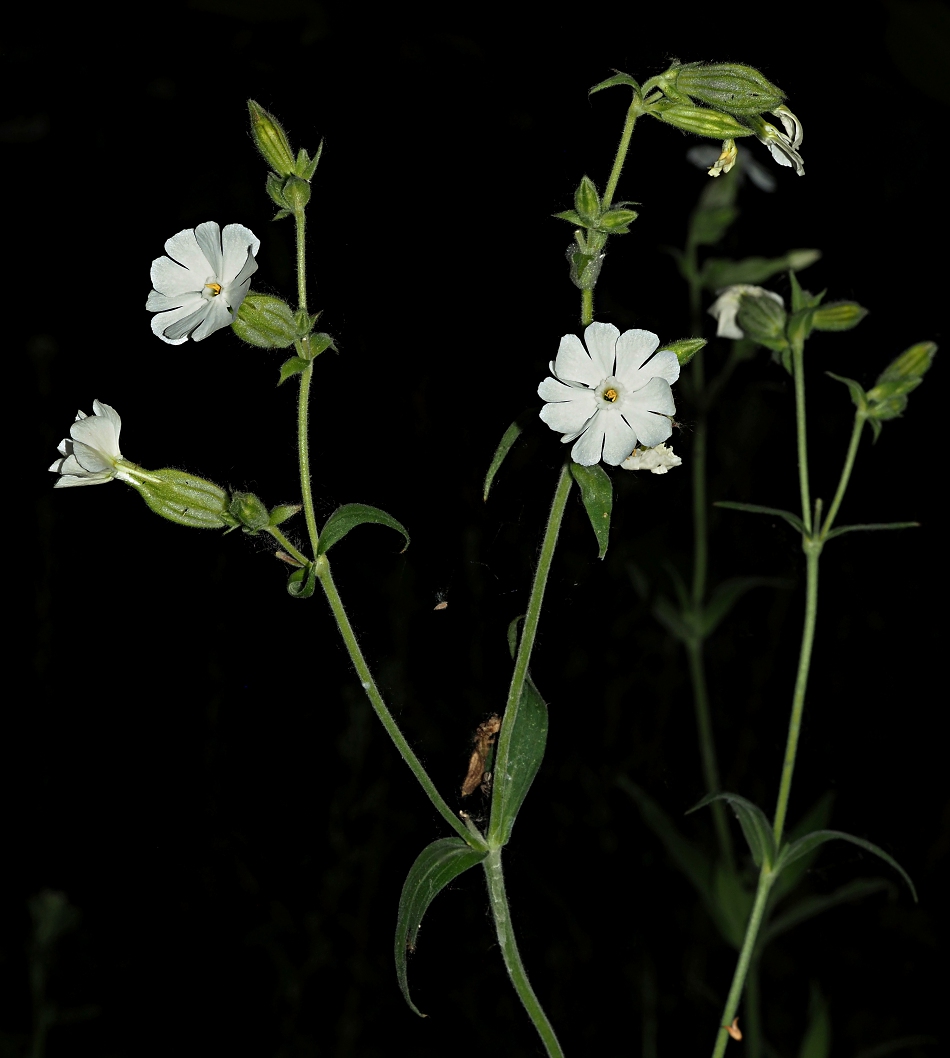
{"x":804,"y":845}
{"x":871,"y":527}
{"x":351,"y":515}
{"x":302,"y":582}
{"x":754,"y":823}
{"x":753,"y":508}
{"x":436,"y":866}
{"x":525,"y":753}
{"x":514,"y":431}
{"x":597,"y":493}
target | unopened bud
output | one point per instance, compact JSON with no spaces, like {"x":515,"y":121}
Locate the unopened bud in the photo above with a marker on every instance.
{"x":763,"y":320}
{"x":888,"y":398}
{"x":250,"y":511}
{"x":266,"y":322}
{"x":838,"y":316}
{"x":685,"y":348}
{"x":271,"y":140}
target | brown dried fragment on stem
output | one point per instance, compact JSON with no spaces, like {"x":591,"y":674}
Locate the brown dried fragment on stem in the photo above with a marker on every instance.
{"x":484,"y":739}
{"x":734,"y":1031}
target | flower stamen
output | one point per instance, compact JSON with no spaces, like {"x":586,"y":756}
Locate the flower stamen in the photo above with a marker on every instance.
{"x":215,"y":288}
{"x":611,"y":394}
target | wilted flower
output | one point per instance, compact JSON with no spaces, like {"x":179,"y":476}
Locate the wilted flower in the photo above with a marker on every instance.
{"x":657,"y":460}
{"x":726,"y":307}
{"x":199,"y":287}
{"x":782,"y":146}
{"x":91,"y":452}
{"x":706,"y":156}
{"x":611,"y":395}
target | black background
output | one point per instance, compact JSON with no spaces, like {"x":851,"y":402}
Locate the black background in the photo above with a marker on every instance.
{"x":187,"y":755}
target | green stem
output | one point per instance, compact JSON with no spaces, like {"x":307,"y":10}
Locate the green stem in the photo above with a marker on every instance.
{"x":700,"y":525}
{"x":301,"y":225}
{"x":745,"y":956}
{"x":801,"y":430}
{"x":303,"y":455}
{"x":509,"y":950}
{"x":287,"y":545}
{"x":859,"y":421}
{"x":621,"y":155}
{"x":526,"y":644}
{"x":376,"y":700}
{"x":587,"y":307}
{"x":812,"y":552}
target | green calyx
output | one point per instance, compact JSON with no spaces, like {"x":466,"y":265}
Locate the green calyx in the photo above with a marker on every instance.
{"x":726,"y":86}
{"x":184,"y":498}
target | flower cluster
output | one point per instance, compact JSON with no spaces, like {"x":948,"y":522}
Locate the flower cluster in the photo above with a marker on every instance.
{"x":612,"y":395}
{"x":199,"y":287}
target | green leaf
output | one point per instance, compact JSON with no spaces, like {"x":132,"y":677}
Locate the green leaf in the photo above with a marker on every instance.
{"x":294,"y":366}
{"x":872,"y":526}
{"x":708,"y":226}
{"x":320,"y":342}
{"x":817,"y":1039}
{"x":598,"y":496}
{"x":753,"y":508}
{"x":618,"y":78}
{"x":796,"y":849}
{"x":617,"y":221}
{"x":754,"y":822}
{"x":351,"y":515}
{"x":302,"y":582}
{"x":571,"y":217}
{"x":514,"y":431}
{"x":525,"y":753}
{"x":816,"y":818}
{"x":810,"y":906}
{"x":685,"y":348}
{"x":724,"y":596}
{"x":858,"y":397}
{"x":282,"y":512}
{"x":437,"y":865}
{"x":720,"y":272}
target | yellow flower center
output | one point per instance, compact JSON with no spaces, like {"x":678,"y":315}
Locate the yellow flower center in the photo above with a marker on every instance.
{"x":611,"y":394}
{"x":215,"y":288}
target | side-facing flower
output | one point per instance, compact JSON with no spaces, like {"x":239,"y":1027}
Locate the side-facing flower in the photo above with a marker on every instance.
{"x":611,"y":395}
{"x":90,"y":455}
{"x":199,"y":287}
{"x":783,"y":146}
{"x":726,"y":307}
{"x":657,"y":460}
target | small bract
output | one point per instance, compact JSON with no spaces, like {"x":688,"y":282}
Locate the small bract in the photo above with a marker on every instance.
{"x":611,"y":395}
{"x":199,"y":287}
{"x":726,"y":307}
{"x":90,"y":455}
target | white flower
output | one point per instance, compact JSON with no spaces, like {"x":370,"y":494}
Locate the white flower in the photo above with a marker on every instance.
{"x":782,"y":146}
{"x":610,"y":395}
{"x":657,"y":460}
{"x":726,"y":307}
{"x":91,"y":452}
{"x":199,"y":287}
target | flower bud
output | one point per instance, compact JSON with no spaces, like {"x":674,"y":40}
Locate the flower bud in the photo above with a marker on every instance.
{"x":587,"y":202}
{"x":685,"y":349}
{"x":701,"y":121}
{"x":727,"y":86}
{"x":296,"y":192}
{"x":888,"y":398}
{"x":838,"y":316}
{"x":271,"y":140}
{"x":185,"y":498}
{"x":250,"y":511}
{"x":266,"y":322}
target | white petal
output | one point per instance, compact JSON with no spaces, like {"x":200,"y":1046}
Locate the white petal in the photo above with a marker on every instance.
{"x":85,"y":479}
{"x":663,"y":365}
{"x":555,"y":389}
{"x":97,"y":432}
{"x":570,"y":417}
{"x":190,"y":300}
{"x":208,"y":237}
{"x":175,"y":326}
{"x":239,"y":243}
{"x":601,"y":339}
{"x":109,"y":413}
{"x":216,"y":317}
{"x":633,"y":348}
{"x":620,"y":439}
{"x":183,"y":248}
{"x":590,"y":444}
{"x":92,"y":460}
{"x":173,"y":279}
{"x":574,"y":364}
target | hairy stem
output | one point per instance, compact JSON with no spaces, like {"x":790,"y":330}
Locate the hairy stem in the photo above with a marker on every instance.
{"x":509,"y":950}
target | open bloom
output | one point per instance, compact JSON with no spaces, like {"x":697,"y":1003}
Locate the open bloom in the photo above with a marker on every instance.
{"x":783,"y":146}
{"x":657,"y":460}
{"x":726,"y":307}
{"x":90,"y":455}
{"x":611,"y":395}
{"x":199,"y":287}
